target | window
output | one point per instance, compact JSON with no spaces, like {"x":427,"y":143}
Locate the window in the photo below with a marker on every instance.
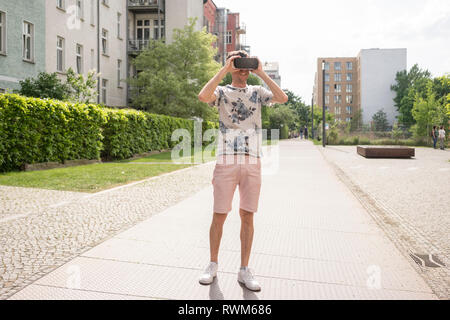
{"x":2,"y":90}
{"x":60,"y":54}
{"x":338,"y":99}
{"x":155,"y":29}
{"x":337,"y":88}
{"x":80,"y":13}
{"x":327,"y":77}
{"x":327,"y":66}
{"x":2,"y":32}
{"x":162,"y":28}
{"x":79,"y":55}
{"x":119,"y":18}
{"x":92,"y":59}
{"x":327,"y":88}
{"x":28,"y":41}
{"x":337,"y":110}
{"x":104,"y":90}
{"x":349,"y":76}
{"x":349,"y":88}
{"x":348,"y":119}
{"x":60,"y":4}
{"x":349,"y":65}
{"x":337,"y":77}
{"x":349,"y":109}
{"x":337,"y":66}
{"x":104,"y":42}
{"x":229,"y":37}
{"x":92,"y":2}
{"x":327,"y":109}
{"x":327,"y":99}
{"x":119,"y":73}
{"x":349,"y":99}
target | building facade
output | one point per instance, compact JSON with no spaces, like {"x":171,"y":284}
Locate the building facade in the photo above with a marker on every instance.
{"x":91,"y":36}
{"x":341,"y":87}
{"x":359,"y":83}
{"x":377,"y":69}
{"x":85,"y":35}
{"x":22,"y":41}
{"x":273,"y":71}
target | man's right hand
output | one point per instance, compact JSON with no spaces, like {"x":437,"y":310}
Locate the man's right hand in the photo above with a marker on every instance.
{"x":229,"y":65}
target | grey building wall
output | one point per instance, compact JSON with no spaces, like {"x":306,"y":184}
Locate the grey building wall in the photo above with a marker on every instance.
{"x":378,"y":68}
{"x":178,"y":13}
{"x":12,"y":67}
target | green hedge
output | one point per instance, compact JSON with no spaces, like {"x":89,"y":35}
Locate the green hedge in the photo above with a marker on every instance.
{"x":35,"y":130}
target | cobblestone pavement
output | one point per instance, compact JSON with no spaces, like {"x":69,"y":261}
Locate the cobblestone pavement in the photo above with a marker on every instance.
{"x":410,"y":200}
{"x":42,"y":229}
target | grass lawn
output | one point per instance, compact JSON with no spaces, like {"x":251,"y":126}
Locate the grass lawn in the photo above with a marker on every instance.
{"x":100,"y":176}
{"x":87,"y":178}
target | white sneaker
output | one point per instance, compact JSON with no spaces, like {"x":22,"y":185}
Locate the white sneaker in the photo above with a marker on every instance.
{"x":246,"y":277}
{"x":210,"y":273}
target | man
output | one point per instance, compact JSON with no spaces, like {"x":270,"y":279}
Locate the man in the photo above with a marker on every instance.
{"x":442,"y":138}
{"x":305,"y":132}
{"x":239,"y":155}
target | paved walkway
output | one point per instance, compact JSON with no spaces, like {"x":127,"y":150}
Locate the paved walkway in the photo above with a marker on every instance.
{"x":313,"y":240}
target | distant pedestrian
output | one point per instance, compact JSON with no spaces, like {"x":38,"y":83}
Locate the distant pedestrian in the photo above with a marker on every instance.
{"x":442,"y":138}
{"x":434,"y":136}
{"x":306,"y":132}
{"x":301,"y":133}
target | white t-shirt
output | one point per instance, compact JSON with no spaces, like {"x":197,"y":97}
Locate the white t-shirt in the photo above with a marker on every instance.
{"x":240,"y":130}
{"x":441,"y":133}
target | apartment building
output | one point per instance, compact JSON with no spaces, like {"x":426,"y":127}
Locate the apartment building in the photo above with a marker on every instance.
{"x":89,"y":35}
{"x":100,"y":35}
{"x":22,"y":41}
{"x":341,"y":87}
{"x":359,"y":83}
{"x":228,"y":29}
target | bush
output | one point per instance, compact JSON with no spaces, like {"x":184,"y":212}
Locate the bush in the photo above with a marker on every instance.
{"x":35,"y":130}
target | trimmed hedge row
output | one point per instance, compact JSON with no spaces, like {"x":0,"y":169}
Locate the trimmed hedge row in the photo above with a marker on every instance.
{"x":36,"y":130}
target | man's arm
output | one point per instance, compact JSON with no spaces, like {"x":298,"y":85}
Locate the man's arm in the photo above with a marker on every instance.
{"x":278,"y":95}
{"x":207,"y":94}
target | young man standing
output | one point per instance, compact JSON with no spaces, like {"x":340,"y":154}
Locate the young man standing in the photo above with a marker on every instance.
{"x":239,"y":152}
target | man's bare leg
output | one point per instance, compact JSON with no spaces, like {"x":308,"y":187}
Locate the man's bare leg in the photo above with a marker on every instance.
{"x":247,"y":231}
{"x":215,"y":235}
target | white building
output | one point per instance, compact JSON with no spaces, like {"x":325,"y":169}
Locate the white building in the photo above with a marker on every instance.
{"x":178,"y":13}
{"x":377,"y":71}
{"x":273,"y":71}
{"x":89,"y":35}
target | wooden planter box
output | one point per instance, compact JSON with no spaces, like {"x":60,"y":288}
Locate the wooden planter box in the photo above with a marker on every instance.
{"x":385,"y":151}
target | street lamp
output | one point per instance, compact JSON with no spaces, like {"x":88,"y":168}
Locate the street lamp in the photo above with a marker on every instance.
{"x":312,"y":117}
{"x":324,"y":135}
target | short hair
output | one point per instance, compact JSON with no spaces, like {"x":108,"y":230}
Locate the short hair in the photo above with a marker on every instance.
{"x":241,"y":53}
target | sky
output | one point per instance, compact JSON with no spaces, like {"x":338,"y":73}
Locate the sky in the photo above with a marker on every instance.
{"x":296,"y":32}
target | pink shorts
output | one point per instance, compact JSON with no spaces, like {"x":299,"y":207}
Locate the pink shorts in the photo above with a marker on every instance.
{"x":234,"y":170}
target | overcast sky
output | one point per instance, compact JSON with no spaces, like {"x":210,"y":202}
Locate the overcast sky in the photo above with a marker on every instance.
{"x":296,"y":32}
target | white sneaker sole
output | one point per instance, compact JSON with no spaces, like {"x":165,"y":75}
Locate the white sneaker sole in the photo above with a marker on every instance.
{"x":207,"y":283}
{"x":242,"y":282}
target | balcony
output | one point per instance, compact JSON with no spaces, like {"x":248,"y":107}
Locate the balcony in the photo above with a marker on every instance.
{"x":154,"y":6}
{"x":241,"y":29}
{"x":137,"y":46}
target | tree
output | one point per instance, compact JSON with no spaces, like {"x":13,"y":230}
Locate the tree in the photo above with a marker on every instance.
{"x":407,"y":84}
{"x":45,"y":85}
{"x":356,"y":121}
{"x":380,"y":121}
{"x":82,"y":90}
{"x":428,"y":112}
{"x":301,"y":110}
{"x":170,"y":76}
